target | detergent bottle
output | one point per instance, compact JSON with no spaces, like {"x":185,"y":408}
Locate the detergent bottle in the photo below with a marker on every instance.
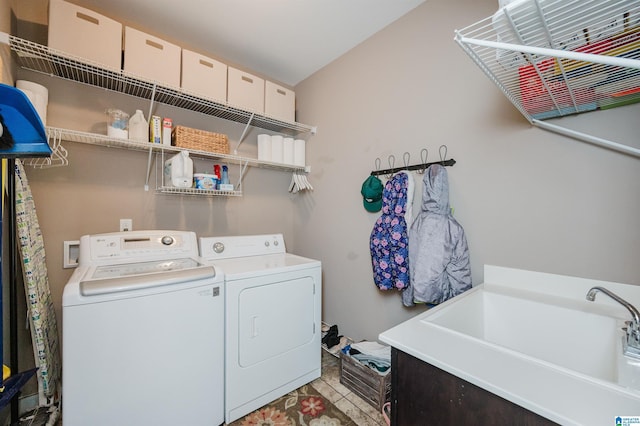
{"x":224,"y":180}
{"x":138,"y":127}
{"x":178,"y":170}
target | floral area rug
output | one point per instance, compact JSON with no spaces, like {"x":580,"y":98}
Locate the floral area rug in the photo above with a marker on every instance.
{"x":302,"y":407}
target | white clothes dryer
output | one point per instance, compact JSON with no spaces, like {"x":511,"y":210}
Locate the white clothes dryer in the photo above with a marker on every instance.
{"x":273,"y":311}
{"x":143,"y":333}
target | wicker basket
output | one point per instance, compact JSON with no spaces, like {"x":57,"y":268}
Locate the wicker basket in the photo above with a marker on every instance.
{"x":185,"y":137}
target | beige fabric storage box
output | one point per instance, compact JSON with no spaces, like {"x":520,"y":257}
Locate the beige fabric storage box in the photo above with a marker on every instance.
{"x":85,"y":33}
{"x":204,"y":76}
{"x":245,"y":90}
{"x":279,"y":102}
{"x":151,"y":57}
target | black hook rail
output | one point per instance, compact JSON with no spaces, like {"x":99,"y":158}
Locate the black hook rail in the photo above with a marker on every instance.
{"x":450,"y":162}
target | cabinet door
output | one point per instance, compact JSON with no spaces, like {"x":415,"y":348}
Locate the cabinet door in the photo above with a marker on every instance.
{"x":422,"y":394}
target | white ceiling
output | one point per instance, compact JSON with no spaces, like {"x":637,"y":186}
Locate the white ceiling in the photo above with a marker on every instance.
{"x":284,"y":40}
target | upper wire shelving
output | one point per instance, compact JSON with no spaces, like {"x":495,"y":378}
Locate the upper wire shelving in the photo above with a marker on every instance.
{"x":42,"y":59}
{"x":553,"y":58}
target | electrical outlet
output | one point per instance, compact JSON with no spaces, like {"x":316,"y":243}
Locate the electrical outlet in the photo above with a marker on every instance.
{"x":126,"y":225}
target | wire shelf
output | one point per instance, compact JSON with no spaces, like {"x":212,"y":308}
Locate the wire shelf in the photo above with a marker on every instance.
{"x":554,"y":58}
{"x":195,"y":191}
{"x":56,"y":135}
{"x":42,"y":59}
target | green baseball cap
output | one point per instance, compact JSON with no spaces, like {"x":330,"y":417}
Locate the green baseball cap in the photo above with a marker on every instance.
{"x":372,"y":194}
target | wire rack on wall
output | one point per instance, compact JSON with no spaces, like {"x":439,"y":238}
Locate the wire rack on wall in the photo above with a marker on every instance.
{"x":553,"y":58}
{"x":42,"y":59}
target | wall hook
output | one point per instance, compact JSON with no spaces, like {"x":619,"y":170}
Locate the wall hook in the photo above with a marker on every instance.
{"x":424,"y":155}
{"x":420,"y":168}
{"x":443,"y":157}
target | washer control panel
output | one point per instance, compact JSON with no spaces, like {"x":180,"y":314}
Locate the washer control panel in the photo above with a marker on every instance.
{"x":136,"y":245}
{"x":241,"y":246}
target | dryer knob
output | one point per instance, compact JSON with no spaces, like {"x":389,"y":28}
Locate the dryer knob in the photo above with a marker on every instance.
{"x":167,"y":240}
{"x":218,"y":247}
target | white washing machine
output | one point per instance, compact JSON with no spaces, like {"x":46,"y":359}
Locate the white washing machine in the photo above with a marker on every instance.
{"x":273,"y":303}
{"x":143,"y":333}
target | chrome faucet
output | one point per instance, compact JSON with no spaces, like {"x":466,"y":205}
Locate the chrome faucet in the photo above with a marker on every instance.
{"x":631,"y":345}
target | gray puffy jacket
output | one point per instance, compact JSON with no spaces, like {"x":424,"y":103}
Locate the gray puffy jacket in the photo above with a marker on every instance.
{"x":438,"y":251}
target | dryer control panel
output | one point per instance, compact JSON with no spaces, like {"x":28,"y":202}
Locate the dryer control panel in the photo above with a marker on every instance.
{"x":212,"y":248}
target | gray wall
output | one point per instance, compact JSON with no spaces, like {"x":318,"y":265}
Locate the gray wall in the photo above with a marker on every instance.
{"x":527,"y":198}
{"x":102,"y":185}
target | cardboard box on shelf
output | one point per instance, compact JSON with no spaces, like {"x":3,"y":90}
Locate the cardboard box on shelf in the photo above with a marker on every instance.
{"x":84,"y":33}
{"x":204,"y":76}
{"x":279,"y":102}
{"x":245,"y":90}
{"x":151,"y":58}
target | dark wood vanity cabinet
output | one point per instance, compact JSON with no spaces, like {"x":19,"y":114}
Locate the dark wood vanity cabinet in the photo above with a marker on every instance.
{"x":422,"y":394}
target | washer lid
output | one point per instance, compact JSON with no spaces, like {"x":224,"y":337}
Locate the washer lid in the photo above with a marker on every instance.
{"x":139,"y":268}
{"x":135,"y":276}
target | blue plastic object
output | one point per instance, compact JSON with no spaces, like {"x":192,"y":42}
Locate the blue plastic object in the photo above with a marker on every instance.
{"x":13,"y":384}
{"x":24,"y":124}
{"x":225,"y":175}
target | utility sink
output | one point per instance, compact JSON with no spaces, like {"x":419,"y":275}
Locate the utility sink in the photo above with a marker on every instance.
{"x":560,"y":332}
{"x":534,"y":339}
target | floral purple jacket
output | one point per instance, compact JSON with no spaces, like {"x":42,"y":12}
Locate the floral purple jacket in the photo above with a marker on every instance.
{"x":389,"y":239}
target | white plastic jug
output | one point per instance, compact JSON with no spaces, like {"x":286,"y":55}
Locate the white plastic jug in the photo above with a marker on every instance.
{"x":178,"y":170}
{"x":138,"y":127}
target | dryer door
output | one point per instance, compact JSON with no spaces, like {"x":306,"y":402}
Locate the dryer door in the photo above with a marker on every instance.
{"x":273,"y":337}
{"x":275,"y":318}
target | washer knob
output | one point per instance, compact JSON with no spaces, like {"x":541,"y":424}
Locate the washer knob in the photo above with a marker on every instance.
{"x":167,"y":240}
{"x":218,"y":247}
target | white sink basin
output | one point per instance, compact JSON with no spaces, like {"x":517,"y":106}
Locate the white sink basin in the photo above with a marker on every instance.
{"x":535,"y":340}
{"x":554,"y":331}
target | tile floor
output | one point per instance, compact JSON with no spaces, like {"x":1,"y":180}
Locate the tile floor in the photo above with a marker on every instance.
{"x":348,"y":402}
{"x":328,"y":385}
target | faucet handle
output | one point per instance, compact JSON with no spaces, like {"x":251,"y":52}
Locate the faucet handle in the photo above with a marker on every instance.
{"x":633,"y":334}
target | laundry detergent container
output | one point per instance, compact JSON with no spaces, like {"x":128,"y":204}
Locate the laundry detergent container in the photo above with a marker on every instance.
{"x":178,"y":171}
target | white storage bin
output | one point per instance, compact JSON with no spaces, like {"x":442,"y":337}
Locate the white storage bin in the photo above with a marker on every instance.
{"x":84,"y":33}
{"x":204,"y":76}
{"x":245,"y":90}
{"x":279,"y":102}
{"x":151,"y":58}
